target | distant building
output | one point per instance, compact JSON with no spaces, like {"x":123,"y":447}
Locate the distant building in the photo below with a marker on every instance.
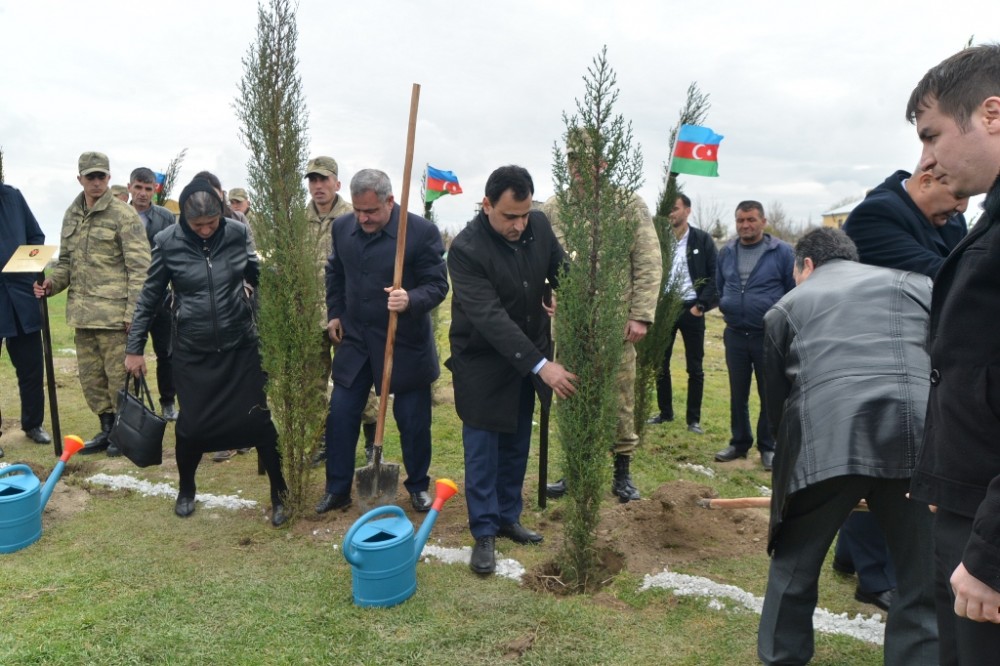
{"x":835,"y":218}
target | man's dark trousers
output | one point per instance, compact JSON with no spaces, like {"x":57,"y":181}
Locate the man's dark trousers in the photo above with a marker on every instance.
{"x":160,"y":331}
{"x":412,"y":411}
{"x":692,"y":331}
{"x":962,"y":641}
{"x":745,"y":358}
{"x":26,"y":356}
{"x":495,"y":463}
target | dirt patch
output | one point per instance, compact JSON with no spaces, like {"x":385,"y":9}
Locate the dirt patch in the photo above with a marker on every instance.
{"x":643,"y":537}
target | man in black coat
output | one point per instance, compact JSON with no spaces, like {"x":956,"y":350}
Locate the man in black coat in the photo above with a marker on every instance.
{"x":956,"y":107}
{"x":910,"y":223}
{"x":499,"y":337}
{"x":142,"y":187}
{"x":20,"y":318}
{"x":694,"y":272}
{"x":359,"y":296}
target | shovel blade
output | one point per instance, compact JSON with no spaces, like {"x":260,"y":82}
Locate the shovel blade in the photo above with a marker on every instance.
{"x":376,"y":485}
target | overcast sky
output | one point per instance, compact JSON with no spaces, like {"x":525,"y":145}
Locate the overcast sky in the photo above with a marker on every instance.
{"x":809,"y":96}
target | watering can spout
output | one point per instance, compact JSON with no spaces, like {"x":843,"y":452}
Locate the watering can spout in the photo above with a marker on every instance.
{"x":444,"y":489}
{"x":71,"y":444}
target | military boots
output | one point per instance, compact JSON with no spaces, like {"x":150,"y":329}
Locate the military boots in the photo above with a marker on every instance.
{"x":100,"y":440}
{"x":622,"y":485}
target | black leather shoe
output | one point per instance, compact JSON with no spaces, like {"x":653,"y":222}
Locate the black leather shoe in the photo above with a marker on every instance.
{"x":555,"y":490}
{"x":658,"y":419}
{"x":696,"y":428}
{"x":484,"y":559}
{"x":113,"y":451}
{"x":184,"y":506}
{"x":38,"y":435}
{"x":331,"y":501}
{"x":421,"y":501}
{"x":843,"y":568}
{"x":767,"y":460}
{"x":279,"y":515}
{"x":520,"y":534}
{"x":169,"y":411}
{"x":729,"y":454}
{"x":881,"y":599}
{"x":96,"y":445}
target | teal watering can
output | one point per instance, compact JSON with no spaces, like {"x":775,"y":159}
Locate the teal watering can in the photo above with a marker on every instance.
{"x":22,"y":498}
{"x":383,"y":553}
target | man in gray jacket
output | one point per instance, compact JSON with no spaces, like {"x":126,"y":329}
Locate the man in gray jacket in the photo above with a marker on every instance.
{"x":846,"y":379}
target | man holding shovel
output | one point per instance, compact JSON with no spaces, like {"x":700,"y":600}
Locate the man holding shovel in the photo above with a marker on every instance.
{"x":358,"y":301}
{"x":499,"y":342}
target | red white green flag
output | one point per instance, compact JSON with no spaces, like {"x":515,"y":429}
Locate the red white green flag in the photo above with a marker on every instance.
{"x":696,"y":151}
{"x":440,"y":183}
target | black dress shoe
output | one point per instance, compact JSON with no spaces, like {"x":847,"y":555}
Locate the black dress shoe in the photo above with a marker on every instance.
{"x":767,"y":460}
{"x":880,"y":599}
{"x":695,"y":427}
{"x":279,"y":515}
{"x":520,"y":534}
{"x":729,"y":454}
{"x":484,"y":559}
{"x":38,"y":435}
{"x":555,"y":490}
{"x":331,"y":501}
{"x":658,"y":419}
{"x":96,"y":445}
{"x":421,"y":501}
{"x":184,"y":506}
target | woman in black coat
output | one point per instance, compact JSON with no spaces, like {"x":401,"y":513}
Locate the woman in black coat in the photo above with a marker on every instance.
{"x":211,"y":263}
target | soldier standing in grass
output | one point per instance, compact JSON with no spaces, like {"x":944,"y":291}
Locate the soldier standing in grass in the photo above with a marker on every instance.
{"x":103,"y":259}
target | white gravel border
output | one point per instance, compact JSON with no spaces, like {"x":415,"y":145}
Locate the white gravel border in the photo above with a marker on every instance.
{"x":149,"y":489}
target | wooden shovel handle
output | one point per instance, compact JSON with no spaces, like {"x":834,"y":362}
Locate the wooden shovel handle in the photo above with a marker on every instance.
{"x":397,"y":276}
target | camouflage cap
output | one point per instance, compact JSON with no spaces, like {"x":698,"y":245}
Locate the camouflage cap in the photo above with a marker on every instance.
{"x":118,"y":189}
{"x":577,"y":139}
{"x":238,"y":194}
{"x":324,"y":166}
{"x":94,"y":162}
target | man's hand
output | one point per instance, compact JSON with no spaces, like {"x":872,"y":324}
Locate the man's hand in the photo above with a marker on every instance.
{"x":974,"y":599}
{"x":696,"y":311}
{"x":635,"y":330}
{"x":135,"y":365}
{"x":399,"y":300}
{"x":335,"y":331}
{"x":42,"y":290}
{"x":558,"y":378}
{"x":550,"y":309}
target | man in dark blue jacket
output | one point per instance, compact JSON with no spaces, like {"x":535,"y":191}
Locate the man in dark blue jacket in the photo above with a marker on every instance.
{"x":359,"y":296}
{"x":754,"y":272}
{"x":694,"y":268}
{"x":20,"y":318}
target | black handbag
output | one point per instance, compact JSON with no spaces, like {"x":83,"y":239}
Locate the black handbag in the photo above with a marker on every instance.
{"x":138,"y":429}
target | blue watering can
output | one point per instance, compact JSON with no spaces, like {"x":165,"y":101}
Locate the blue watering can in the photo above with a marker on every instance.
{"x":22,"y":499}
{"x":383,"y":553}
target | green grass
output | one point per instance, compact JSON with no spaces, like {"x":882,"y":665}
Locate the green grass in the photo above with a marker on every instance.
{"x":123,"y":581}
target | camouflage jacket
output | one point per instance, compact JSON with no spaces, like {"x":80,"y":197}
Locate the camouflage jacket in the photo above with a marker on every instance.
{"x":103,"y":259}
{"x":320,"y":227}
{"x":645,"y":271}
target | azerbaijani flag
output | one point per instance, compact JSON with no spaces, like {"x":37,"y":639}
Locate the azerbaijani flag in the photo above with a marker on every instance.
{"x":160,"y":180}
{"x":696,"y":151}
{"x":440,"y":183}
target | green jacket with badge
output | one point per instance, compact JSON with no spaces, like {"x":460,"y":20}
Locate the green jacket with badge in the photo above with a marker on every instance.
{"x":103,"y":259}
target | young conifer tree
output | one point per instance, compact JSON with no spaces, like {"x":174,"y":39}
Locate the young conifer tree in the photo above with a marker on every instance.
{"x":596,"y":181}
{"x":652,"y":348}
{"x":273,"y":114}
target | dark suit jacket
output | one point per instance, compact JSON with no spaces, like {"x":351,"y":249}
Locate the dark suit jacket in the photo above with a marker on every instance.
{"x":701,"y":261}
{"x":891,"y":231}
{"x":17,"y":227}
{"x":499,"y":331}
{"x":357,"y":273}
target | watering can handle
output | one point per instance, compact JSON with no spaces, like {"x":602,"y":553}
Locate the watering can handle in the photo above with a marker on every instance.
{"x":15,"y":468}
{"x":374,"y":513}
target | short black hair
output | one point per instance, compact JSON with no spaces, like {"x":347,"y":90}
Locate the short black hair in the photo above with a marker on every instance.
{"x":511,"y":177}
{"x":959,"y":84}
{"x":824,"y":244}
{"x":684,"y":199}
{"x":749,"y":205}
{"x":142,"y":175}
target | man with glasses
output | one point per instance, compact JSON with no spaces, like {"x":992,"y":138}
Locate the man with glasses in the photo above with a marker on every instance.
{"x":103,"y":259}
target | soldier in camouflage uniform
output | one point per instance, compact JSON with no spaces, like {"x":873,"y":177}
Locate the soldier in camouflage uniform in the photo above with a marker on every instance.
{"x":103,"y":259}
{"x":325,"y":205}
{"x":645,"y":272}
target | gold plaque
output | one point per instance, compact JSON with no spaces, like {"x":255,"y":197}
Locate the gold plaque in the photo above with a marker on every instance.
{"x":30,"y":259}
